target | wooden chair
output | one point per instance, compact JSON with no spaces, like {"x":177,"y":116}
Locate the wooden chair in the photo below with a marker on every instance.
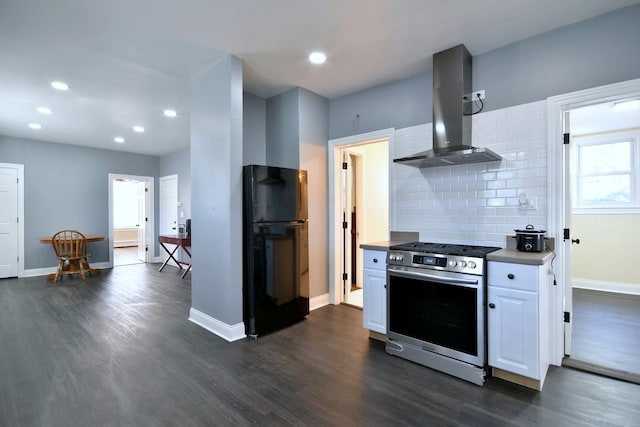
{"x":71,"y":250}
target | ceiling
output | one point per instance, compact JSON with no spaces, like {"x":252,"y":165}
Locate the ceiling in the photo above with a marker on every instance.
{"x":127,"y":60}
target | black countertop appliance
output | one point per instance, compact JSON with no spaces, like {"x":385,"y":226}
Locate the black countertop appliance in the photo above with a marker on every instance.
{"x":276,"y":248}
{"x":530,"y":239}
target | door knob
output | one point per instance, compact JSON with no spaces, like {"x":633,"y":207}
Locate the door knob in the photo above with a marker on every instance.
{"x":576,"y":241}
{"x":492,"y":305}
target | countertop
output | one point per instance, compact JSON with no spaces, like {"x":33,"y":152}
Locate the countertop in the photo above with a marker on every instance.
{"x":510,"y":254}
{"x":514,"y":256}
{"x":380,"y":246}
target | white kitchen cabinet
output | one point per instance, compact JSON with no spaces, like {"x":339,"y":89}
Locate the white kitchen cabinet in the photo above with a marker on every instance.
{"x":374,"y":303}
{"x":518,"y":322}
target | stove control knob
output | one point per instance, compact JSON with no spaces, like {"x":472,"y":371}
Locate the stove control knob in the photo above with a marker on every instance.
{"x":453,"y":263}
{"x":471,"y":264}
{"x":399,"y":258}
{"x":462,"y":264}
{"x":392,"y":257}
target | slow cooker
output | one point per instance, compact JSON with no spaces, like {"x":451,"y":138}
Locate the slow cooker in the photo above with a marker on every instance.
{"x":530,"y":239}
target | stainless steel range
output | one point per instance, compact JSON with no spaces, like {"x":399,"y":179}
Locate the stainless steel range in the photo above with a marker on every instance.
{"x":436,"y":297}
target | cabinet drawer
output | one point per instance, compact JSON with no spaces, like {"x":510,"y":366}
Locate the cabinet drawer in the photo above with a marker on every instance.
{"x":376,"y":260}
{"x":513,"y":276}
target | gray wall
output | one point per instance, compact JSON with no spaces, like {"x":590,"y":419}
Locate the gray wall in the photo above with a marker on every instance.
{"x":67,"y":186}
{"x":314,"y":134}
{"x":254,"y":130}
{"x":216,"y":185}
{"x":399,"y":104}
{"x":283,"y":130}
{"x":591,"y":53}
{"x":179,"y":163}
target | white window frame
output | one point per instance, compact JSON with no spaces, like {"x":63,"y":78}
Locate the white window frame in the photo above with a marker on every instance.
{"x":603,"y":139}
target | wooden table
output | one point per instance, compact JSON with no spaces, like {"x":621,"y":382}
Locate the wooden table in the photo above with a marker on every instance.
{"x":181,"y":241}
{"x":90,"y":239}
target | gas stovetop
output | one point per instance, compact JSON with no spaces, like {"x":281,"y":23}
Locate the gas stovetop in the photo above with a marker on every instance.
{"x":445,"y":249}
{"x":440,"y":256}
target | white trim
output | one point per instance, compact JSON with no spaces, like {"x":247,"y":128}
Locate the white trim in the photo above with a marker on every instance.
{"x":20,"y":171}
{"x":125,"y":243}
{"x":319,"y":301}
{"x":228,"y":332}
{"x":45,"y":271}
{"x":556,"y":105}
{"x":334,"y":211}
{"x":599,"y":285}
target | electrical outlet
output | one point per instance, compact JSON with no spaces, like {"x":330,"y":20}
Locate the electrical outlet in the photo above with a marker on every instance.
{"x":474,"y":96}
{"x":478,"y":94}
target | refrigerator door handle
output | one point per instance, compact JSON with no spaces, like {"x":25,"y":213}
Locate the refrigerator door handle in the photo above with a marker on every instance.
{"x":269,"y":223}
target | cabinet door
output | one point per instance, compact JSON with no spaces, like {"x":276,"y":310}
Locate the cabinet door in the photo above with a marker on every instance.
{"x":513,"y":331}
{"x":375,"y":300}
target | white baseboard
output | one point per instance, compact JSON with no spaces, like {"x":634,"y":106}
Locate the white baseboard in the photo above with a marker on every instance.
{"x":34,"y":272}
{"x":318,"y":302}
{"x":597,"y":285}
{"x":125,"y":243}
{"x":228,"y":332}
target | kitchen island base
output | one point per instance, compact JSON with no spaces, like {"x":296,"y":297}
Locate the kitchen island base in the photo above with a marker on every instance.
{"x":377,"y":336}
{"x":517,"y":379}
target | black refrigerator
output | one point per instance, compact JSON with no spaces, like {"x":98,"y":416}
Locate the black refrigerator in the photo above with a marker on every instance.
{"x":276,"y":248}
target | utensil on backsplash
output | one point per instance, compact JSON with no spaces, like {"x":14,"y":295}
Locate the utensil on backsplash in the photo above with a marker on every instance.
{"x":530,"y":239}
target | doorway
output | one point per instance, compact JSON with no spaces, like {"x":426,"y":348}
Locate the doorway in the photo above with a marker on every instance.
{"x":11,"y":220}
{"x":352,"y":212}
{"x":130,"y":219}
{"x":585,"y":217}
{"x":359,"y":208}
{"x":605,"y":220}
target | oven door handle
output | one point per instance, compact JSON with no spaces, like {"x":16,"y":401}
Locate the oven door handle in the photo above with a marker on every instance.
{"x":439,"y":279}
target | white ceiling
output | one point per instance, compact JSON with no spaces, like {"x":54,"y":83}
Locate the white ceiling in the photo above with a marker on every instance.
{"x":127,"y":60}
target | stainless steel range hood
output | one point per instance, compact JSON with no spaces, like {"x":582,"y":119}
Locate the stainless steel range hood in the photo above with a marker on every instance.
{"x":451,"y":126}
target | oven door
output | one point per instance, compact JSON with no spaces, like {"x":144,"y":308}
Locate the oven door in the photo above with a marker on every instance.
{"x":437,"y":311}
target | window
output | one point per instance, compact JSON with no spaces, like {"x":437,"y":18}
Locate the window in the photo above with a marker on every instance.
{"x":606,"y":173}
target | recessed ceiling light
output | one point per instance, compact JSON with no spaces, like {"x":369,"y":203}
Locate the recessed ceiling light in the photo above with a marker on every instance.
{"x":119,"y":139}
{"x":138,"y":129}
{"x":35,"y":125}
{"x":627,"y":105}
{"x":170,"y":113}
{"x":60,"y":85}
{"x":44,"y":110}
{"x":317,"y":58}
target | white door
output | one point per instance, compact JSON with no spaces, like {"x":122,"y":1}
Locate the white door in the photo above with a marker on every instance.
{"x":347,"y":203}
{"x":143,"y":220}
{"x":169,"y":207}
{"x":567,"y":242}
{"x":8,"y":222}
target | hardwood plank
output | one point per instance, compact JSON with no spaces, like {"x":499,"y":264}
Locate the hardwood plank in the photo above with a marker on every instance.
{"x":118,"y":349}
{"x":606,"y":333}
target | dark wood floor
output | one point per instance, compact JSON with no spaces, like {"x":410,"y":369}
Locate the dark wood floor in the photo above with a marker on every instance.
{"x":606,"y":330}
{"x":118,"y":350}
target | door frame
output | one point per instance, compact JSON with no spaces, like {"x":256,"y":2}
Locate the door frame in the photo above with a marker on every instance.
{"x":335,"y":211}
{"x":161,"y":200}
{"x":20,"y":249}
{"x":557,"y":188}
{"x":149,"y":213}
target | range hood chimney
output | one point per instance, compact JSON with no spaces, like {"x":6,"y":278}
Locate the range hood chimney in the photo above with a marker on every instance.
{"x":451,"y":126}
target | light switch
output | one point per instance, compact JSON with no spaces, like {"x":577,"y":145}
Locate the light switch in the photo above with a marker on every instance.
{"x":181,"y":214}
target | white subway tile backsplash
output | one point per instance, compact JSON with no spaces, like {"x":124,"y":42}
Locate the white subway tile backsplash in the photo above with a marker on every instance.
{"x":476,"y":203}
